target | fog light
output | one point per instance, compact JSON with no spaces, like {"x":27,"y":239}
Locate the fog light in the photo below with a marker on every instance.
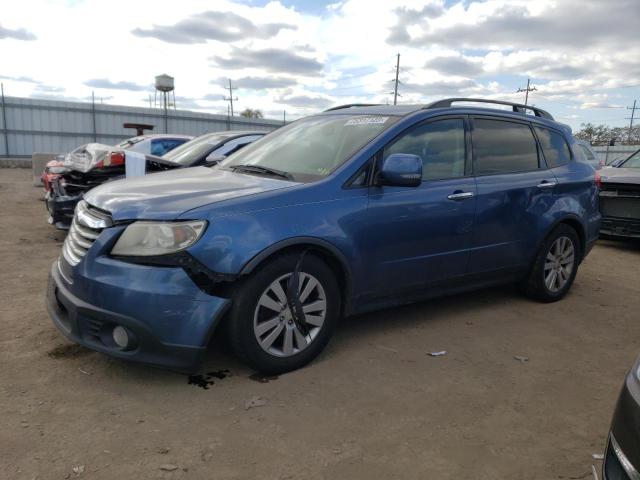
{"x":121,"y":337}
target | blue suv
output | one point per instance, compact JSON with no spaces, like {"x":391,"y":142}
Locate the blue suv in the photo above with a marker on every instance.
{"x":357,"y":208}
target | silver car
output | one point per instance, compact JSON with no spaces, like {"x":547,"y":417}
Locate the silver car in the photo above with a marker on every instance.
{"x":588,"y":154}
{"x":620,"y":198}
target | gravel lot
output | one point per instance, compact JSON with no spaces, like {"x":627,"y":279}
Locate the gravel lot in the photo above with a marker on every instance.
{"x":375,"y":405}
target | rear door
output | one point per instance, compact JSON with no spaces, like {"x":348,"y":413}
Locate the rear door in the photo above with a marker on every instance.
{"x":576,"y":186}
{"x":515,"y":189}
{"x":419,"y":236}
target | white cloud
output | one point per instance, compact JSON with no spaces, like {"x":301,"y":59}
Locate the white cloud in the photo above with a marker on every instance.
{"x":580,"y":54}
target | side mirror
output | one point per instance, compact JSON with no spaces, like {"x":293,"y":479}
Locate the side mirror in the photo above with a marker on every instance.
{"x":213,"y":159}
{"x":400,"y":170}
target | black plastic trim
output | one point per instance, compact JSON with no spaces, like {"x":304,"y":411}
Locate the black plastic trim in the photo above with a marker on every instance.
{"x":205,"y":278}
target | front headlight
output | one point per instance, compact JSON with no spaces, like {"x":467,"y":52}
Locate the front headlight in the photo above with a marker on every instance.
{"x":144,"y":239}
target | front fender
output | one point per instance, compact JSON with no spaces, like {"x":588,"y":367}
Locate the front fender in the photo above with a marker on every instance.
{"x":237,"y":243}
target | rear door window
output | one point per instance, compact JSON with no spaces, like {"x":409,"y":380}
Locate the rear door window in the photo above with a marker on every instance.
{"x":554,"y":146}
{"x":503,"y":147}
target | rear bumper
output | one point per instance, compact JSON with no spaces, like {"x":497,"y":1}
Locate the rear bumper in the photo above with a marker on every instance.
{"x":158,"y":334}
{"x":61,"y":209}
{"x":622,"y":458}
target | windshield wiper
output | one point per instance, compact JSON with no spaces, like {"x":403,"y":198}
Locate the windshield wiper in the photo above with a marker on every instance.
{"x":261,"y":169}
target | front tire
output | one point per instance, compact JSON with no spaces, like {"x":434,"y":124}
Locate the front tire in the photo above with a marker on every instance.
{"x":262,"y":329}
{"x":555,"y":266}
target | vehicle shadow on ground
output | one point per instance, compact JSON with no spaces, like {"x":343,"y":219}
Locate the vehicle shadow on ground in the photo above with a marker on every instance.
{"x":220,"y":363}
{"x":625,"y":244}
{"x":420,"y":314}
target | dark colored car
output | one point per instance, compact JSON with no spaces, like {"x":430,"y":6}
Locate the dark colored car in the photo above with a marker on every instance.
{"x":351,"y":210}
{"x":620,"y":198}
{"x":211,"y":148}
{"x":94,"y":165}
{"x":622,"y":455}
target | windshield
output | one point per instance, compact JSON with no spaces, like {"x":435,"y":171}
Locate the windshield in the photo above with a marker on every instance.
{"x":633,"y":161}
{"x":189,"y":152}
{"x":311,"y":148}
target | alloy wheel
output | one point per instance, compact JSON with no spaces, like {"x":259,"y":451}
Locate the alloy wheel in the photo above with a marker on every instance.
{"x":559,"y":264}
{"x":273,"y":324}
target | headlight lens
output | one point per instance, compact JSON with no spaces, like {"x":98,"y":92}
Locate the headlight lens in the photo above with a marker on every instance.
{"x":144,"y":239}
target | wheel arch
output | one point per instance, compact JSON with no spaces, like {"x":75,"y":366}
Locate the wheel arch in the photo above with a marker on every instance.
{"x":324,"y":249}
{"x":574,"y":222}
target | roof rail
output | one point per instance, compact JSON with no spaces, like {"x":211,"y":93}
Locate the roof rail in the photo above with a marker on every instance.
{"x":349,"y":105}
{"x":517,"y":107}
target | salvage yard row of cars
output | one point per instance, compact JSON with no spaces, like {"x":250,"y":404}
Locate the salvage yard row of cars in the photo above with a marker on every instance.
{"x":67,"y":180}
{"x":271,"y":239}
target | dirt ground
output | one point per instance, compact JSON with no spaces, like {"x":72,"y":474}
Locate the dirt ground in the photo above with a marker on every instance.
{"x":375,"y":405}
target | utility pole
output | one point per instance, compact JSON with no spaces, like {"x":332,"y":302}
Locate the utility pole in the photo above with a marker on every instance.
{"x":230,"y":99}
{"x":166,"y":113}
{"x":284,"y":117}
{"x":4,"y":122}
{"x":527,"y":90}
{"x":93,"y":115}
{"x":633,"y":111}
{"x":395,"y":90}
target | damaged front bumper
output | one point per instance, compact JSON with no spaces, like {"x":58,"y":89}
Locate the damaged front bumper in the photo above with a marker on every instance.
{"x":61,"y":208}
{"x":620,"y":208}
{"x":620,"y":227}
{"x":168,"y":318}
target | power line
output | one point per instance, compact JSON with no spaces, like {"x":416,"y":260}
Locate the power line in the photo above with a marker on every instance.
{"x":230,"y":98}
{"x":526,"y":90}
{"x":364,"y":85}
{"x":555,"y":101}
{"x":599,"y":89}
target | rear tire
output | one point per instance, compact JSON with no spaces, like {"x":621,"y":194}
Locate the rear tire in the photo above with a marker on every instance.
{"x":555,"y":266}
{"x":261,"y":329}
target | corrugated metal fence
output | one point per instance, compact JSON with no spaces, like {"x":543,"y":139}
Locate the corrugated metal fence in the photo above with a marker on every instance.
{"x":30,"y":125}
{"x":610,"y":153}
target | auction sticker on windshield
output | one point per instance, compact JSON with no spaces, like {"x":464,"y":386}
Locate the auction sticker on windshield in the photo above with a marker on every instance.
{"x":366,"y":121}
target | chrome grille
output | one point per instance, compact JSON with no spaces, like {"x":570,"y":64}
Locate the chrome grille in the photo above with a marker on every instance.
{"x":86,"y":226}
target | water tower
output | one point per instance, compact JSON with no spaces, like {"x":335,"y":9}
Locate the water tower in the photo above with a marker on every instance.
{"x":165,"y":85}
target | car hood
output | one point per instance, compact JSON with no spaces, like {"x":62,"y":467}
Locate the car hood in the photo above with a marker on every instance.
{"x":84,"y":158}
{"x":620,"y":175}
{"x":166,"y":195}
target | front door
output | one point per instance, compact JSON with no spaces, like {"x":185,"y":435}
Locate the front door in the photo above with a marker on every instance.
{"x":419,"y":236}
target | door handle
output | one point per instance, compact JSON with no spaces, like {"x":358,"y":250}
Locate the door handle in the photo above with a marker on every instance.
{"x":547,"y":184}
{"x":460,"y":196}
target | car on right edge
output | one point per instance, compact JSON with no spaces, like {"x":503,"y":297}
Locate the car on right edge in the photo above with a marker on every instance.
{"x":622,"y":455}
{"x":620,"y":198}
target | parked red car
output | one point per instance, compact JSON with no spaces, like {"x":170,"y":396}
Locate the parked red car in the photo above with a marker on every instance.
{"x":65,"y":178}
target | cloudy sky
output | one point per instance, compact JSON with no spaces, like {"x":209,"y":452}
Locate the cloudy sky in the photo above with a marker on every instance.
{"x":303,"y":55}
